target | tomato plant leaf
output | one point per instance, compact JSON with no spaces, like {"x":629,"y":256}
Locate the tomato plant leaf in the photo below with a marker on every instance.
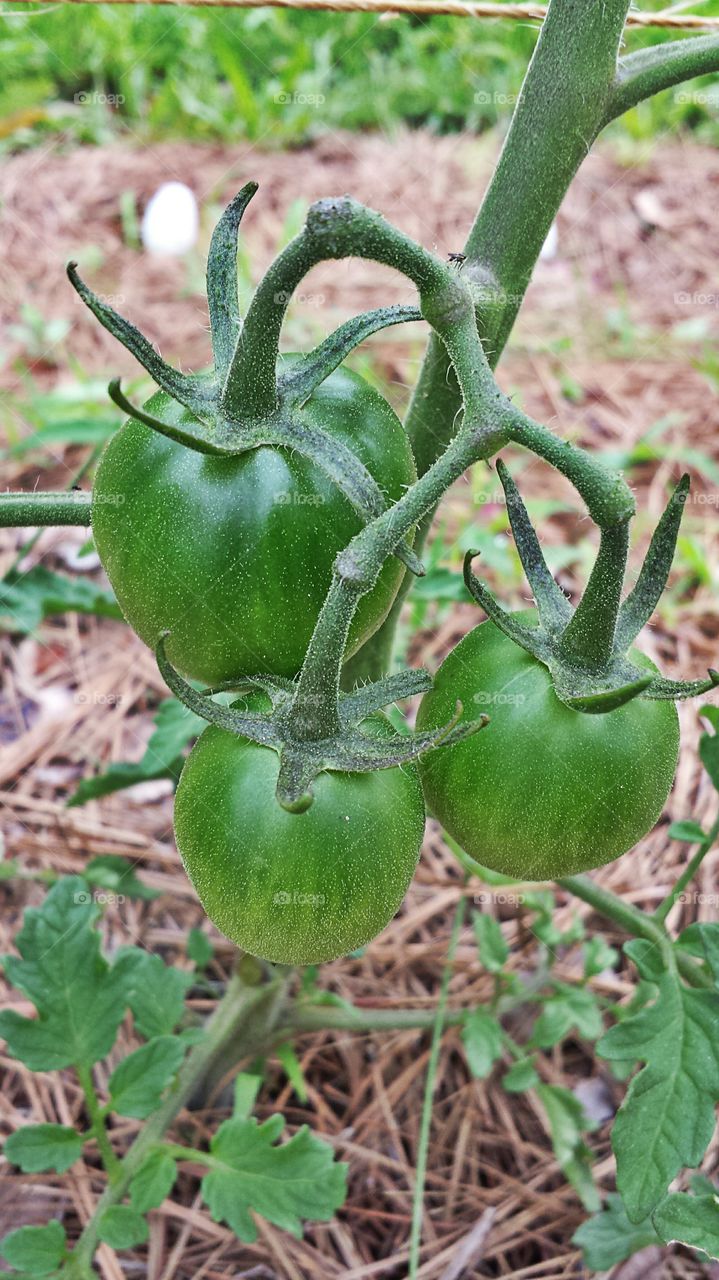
{"x":36,"y":1250}
{"x":687,"y":831}
{"x":568,"y":1007}
{"x":246,"y":1090}
{"x":598,"y":956}
{"x":609,"y":1237}
{"x":110,"y":871}
{"x":566,"y":1119}
{"x":520,"y":1077}
{"x":690,"y":1220}
{"x":26,"y":599}
{"x":702,"y":940}
{"x":138,"y":1082}
{"x":153,"y":1181}
{"x":79,"y":997}
{"x":482,"y":1039}
{"x":175,"y":726}
{"x":157,"y":996}
{"x":285,"y":1184}
{"x":667,"y":1117}
{"x":199,"y":948}
{"x":121,"y":1227}
{"x":39,"y":1147}
{"x":493,"y":949}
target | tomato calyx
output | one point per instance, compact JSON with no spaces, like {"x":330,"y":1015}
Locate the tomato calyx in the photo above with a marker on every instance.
{"x":586,"y":650}
{"x":297,"y":730}
{"x":220,"y":422}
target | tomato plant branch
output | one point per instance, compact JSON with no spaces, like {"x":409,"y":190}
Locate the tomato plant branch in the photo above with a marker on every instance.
{"x":559,"y":113}
{"x":335,"y":228}
{"x":98,"y":1128}
{"x":648,"y":71}
{"x":22,"y":510}
{"x":687,"y":875}
{"x":246,"y":1008}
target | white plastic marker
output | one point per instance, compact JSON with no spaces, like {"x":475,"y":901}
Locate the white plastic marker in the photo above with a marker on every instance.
{"x":171,"y":221}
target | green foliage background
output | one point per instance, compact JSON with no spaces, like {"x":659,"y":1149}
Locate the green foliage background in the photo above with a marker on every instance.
{"x":276,"y":77}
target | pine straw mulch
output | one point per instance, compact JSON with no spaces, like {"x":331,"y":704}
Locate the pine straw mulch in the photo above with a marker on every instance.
{"x":81,"y":693}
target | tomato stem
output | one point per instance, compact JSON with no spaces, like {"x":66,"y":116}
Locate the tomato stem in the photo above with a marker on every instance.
{"x":22,"y":510}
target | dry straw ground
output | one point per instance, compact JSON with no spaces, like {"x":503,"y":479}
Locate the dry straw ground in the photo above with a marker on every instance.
{"x":637,"y":238}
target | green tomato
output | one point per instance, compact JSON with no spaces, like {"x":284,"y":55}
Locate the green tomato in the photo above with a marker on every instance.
{"x":542,"y":791}
{"x":233,"y":556}
{"x":295,"y":888}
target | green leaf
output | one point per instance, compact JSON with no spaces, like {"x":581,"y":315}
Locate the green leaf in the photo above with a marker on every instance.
{"x":709,"y":746}
{"x":702,"y":940}
{"x":566,"y":1118}
{"x":493,"y":949}
{"x":520,"y":1077}
{"x":690,"y":1220}
{"x":153,"y":1181}
{"x":609,"y":1237}
{"x":122,"y":1227}
{"x":80,"y":999}
{"x":291,"y":1064}
{"x":26,"y":599}
{"x":157,"y":997}
{"x":110,"y":871}
{"x":247,"y":1088}
{"x":688,"y":832}
{"x":286,"y":1185}
{"x":667,"y":1117}
{"x":138,"y":1082}
{"x":39,"y":1147}
{"x":37,"y":1250}
{"x":175,"y":726}
{"x":199,"y":948}
{"x":598,"y":956}
{"x":648,"y":959}
{"x":482,"y":1039}
{"x":569,"y":1007}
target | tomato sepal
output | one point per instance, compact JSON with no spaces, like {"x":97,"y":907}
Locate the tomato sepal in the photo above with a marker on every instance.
{"x":586,"y":650}
{"x":304,"y":756}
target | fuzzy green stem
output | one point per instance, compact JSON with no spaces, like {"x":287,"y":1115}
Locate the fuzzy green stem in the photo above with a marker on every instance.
{"x":648,"y":71}
{"x":415,"y":1238}
{"x":252,"y":1008}
{"x":608,"y":497}
{"x":629,"y":918}
{"x":687,"y":875}
{"x":315,"y":708}
{"x":97,"y":1124}
{"x":336,"y":228}
{"x":589,"y":637}
{"x":21,"y":510}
